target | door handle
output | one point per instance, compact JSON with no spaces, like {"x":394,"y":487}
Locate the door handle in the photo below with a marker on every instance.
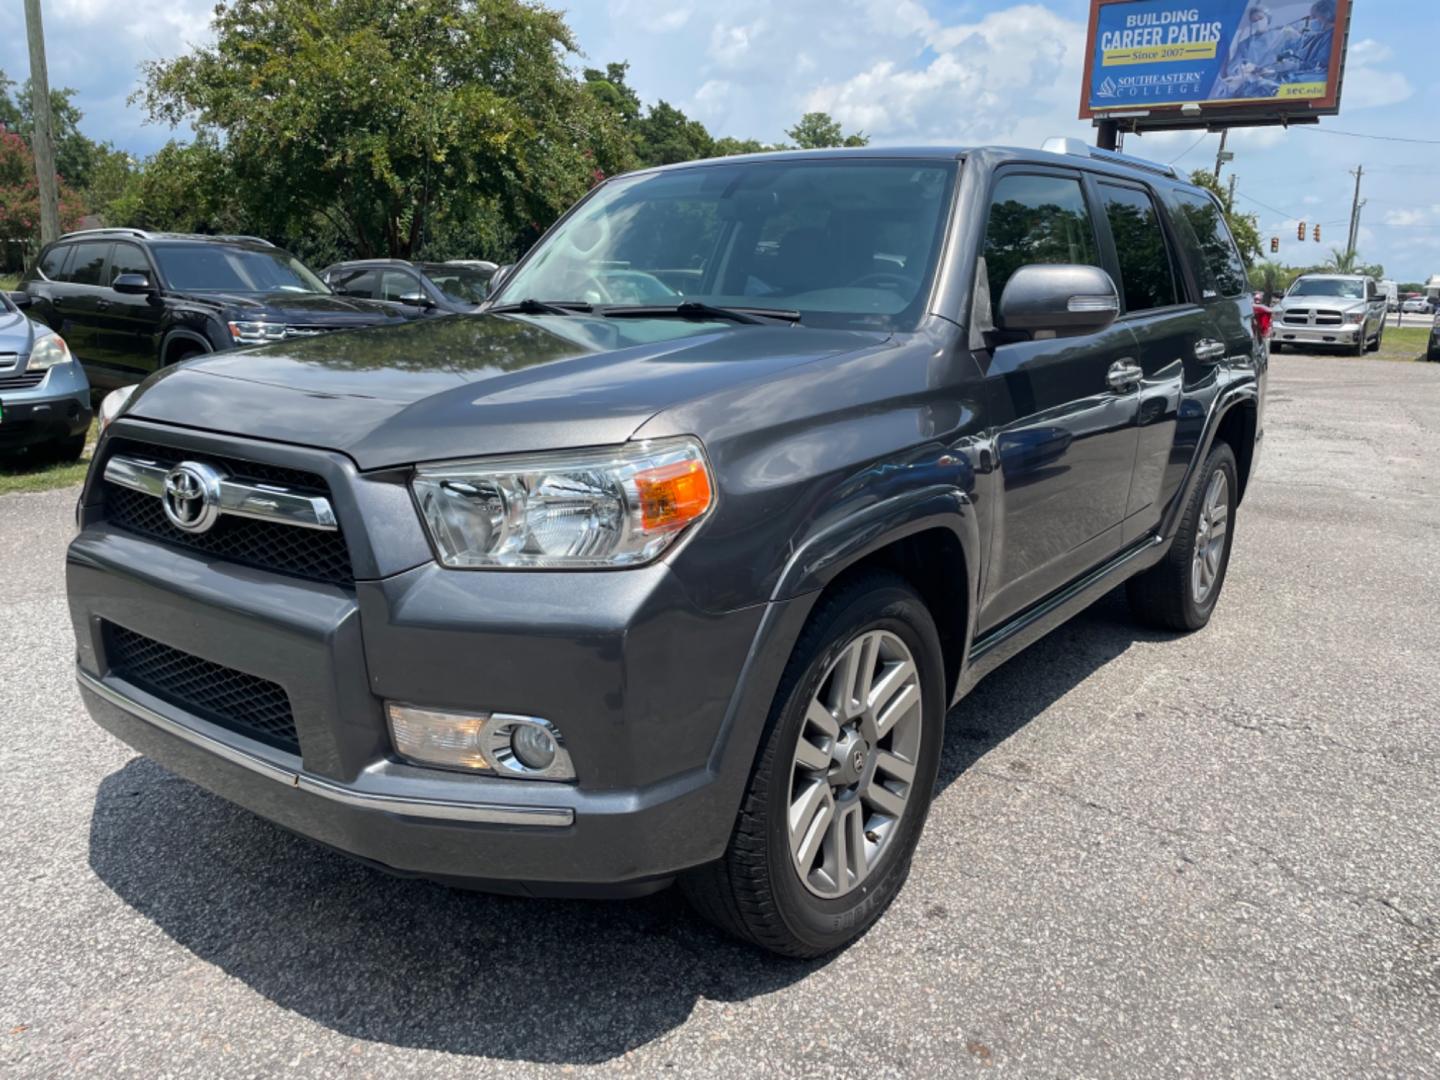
{"x":1123,"y":375}
{"x":1209,"y":349}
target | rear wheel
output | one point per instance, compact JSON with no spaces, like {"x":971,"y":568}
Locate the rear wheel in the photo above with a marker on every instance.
{"x":843,"y":781}
{"x":1179,"y":592}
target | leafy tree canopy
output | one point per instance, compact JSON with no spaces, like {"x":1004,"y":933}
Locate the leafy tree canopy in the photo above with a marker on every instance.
{"x":817,"y":130}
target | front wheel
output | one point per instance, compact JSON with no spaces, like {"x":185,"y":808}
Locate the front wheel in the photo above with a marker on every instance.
{"x":1374,"y":345}
{"x":843,"y":780}
{"x":1180,"y":591}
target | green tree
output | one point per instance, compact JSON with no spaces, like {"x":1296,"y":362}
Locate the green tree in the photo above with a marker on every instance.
{"x":75,"y":153}
{"x":1245,"y":228}
{"x":612,"y":92}
{"x":393,"y":122}
{"x":817,"y":130}
{"x":730,"y":146}
{"x":1271,"y":278}
{"x":20,"y":193}
{"x":666,"y":135}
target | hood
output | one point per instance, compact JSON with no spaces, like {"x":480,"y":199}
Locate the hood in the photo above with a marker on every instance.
{"x":302,"y":309}
{"x":18,"y":334}
{"x":472,"y":385}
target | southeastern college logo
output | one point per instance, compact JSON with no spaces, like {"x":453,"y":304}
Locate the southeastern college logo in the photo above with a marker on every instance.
{"x":1107,"y":88}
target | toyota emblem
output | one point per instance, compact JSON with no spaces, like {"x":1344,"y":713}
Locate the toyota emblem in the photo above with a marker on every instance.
{"x":192,"y":496}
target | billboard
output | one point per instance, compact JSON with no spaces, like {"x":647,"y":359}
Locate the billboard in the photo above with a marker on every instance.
{"x":1262,"y":59}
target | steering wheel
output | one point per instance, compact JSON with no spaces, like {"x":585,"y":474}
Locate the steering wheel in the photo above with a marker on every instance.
{"x":884,"y":279}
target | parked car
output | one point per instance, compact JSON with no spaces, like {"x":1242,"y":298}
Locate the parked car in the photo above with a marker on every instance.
{"x":1345,"y":310}
{"x":44,"y":398}
{"x":587,"y":594}
{"x":1418,"y":305}
{"x":439,"y":288}
{"x":130,"y":302}
{"x":1432,"y":350}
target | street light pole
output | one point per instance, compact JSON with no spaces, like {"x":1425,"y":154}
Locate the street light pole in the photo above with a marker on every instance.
{"x":43,"y":142}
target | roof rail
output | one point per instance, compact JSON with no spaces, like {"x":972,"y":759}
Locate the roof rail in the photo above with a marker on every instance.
{"x":111,"y":230}
{"x":1077,"y":148}
{"x":241,"y":236}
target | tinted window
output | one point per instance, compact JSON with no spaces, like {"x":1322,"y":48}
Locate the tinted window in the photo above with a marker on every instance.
{"x":363,"y":284}
{"x":1220,"y":262}
{"x":128,"y":259}
{"x":87,"y":264}
{"x":212,"y":268}
{"x":1036,"y":219}
{"x":463,"y":283}
{"x":53,"y":264}
{"x":397,"y":283}
{"x":845,"y":243}
{"x":1147,"y":277}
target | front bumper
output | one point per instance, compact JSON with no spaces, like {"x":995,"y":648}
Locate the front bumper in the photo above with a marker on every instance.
{"x":1346,"y":334}
{"x":58,"y":408}
{"x":642,"y":684}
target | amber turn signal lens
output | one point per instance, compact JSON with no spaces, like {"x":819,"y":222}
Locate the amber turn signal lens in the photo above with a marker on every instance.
{"x":673,"y":495}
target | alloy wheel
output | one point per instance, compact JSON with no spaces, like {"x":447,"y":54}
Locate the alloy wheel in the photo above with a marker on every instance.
{"x":1210,"y":533}
{"x":853,"y":770}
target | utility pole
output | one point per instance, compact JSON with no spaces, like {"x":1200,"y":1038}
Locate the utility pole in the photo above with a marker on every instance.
{"x":1230,"y":199}
{"x":1220,"y":157}
{"x":43,"y":141}
{"x":1355,"y":207}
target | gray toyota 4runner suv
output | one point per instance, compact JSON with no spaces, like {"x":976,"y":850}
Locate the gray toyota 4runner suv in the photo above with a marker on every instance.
{"x":668,"y":564}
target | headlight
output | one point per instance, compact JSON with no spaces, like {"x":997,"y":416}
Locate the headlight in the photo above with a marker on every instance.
{"x":256,"y":333}
{"x":114,"y":404}
{"x":573,"y":510}
{"x":49,"y":349}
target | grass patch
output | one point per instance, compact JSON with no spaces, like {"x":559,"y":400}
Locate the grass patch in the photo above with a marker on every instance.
{"x":28,"y":471}
{"x":9,"y":282}
{"x":1404,"y":343}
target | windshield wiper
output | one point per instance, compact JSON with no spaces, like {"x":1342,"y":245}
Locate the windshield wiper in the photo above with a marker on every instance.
{"x":693,"y":309}
{"x":531,"y":306}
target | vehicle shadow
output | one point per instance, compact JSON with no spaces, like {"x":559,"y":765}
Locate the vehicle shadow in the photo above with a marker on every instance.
{"x":417,"y":964}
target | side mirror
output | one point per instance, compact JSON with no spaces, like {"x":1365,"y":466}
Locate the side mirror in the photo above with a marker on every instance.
{"x":21,"y":299}
{"x":415,"y":299}
{"x":132,"y":285}
{"x":1066,"y":301}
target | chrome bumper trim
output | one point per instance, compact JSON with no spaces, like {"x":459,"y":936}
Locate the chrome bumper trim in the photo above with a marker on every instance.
{"x":264,"y":502}
{"x":486,"y":813}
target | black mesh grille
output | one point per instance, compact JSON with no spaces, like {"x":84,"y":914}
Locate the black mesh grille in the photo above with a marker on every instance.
{"x":245,"y":703}
{"x":315,"y":554}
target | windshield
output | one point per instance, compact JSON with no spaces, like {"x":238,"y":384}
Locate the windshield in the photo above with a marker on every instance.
{"x":1329,"y":286}
{"x":212,"y":268}
{"x":466,"y":284}
{"x":843,"y":242}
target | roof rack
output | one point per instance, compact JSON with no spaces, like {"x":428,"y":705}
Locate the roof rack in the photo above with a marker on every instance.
{"x":1077,"y":148}
{"x":241,"y":236}
{"x":112,"y":231}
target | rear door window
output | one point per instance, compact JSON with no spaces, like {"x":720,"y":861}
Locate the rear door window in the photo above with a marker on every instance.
{"x":1034,"y":219}
{"x":1147,"y":274}
{"x":395,"y":284}
{"x":361,"y":284}
{"x":1221,"y":270}
{"x":127,"y":259}
{"x":88,"y":263}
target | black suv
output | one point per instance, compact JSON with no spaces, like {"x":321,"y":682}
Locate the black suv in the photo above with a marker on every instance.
{"x":436,"y":288}
{"x":670,"y":564}
{"x":129,"y":302}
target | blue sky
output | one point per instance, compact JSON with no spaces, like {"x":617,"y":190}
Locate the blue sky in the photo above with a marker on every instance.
{"x":905,"y":71}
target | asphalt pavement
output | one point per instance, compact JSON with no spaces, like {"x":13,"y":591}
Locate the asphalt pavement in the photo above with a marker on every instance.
{"x":1213,"y":855}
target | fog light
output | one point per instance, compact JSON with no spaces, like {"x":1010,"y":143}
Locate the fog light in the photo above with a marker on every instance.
{"x":527,"y":746}
{"x":533,"y":746}
{"x":503,"y":743}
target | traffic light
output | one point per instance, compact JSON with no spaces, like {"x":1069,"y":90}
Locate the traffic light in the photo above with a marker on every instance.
{"x":1274,"y":244}
{"x":1317,"y":234}
{"x":1300,"y":231}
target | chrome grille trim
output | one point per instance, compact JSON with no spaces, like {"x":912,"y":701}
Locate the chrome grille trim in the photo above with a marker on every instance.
{"x":263,"y":502}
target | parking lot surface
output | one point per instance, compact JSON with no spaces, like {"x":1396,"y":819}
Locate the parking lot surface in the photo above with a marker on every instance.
{"x":1150,"y":855}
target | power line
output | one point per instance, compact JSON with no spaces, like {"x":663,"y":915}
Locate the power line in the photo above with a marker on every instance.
{"x":1377,"y":138}
{"x":1192,"y":146}
{"x":1267,"y":206}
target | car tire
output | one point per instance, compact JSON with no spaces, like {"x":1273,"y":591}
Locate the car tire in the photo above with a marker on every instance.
{"x":67,"y":449}
{"x":1374,"y":346}
{"x":758,"y":890}
{"x":1169,"y":595}
{"x":1360,"y":345}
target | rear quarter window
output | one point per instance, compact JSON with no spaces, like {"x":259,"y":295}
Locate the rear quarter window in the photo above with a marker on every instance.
{"x":1212,"y":251}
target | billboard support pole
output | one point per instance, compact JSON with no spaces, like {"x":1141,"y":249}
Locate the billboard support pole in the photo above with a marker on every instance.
{"x":1107,"y":134}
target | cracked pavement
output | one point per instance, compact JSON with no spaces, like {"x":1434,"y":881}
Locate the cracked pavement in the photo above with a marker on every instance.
{"x":1150,"y":855}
